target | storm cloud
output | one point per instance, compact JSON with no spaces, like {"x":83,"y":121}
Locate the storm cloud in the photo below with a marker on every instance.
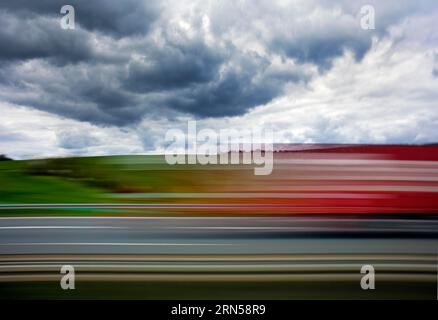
{"x":118,"y":18}
{"x":134,"y":61}
{"x":126,"y":60}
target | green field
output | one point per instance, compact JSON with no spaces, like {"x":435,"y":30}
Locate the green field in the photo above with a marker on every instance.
{"x":108,"y":179}
{"x":18,"y":184}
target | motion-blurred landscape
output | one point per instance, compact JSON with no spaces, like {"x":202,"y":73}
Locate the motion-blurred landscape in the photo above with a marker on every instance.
{"x":136,"y":227}
{"x":94,"y":94}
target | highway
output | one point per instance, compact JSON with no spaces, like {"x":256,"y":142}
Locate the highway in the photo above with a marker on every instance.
{"x":217,"y":257}
{"x":224,"y":235}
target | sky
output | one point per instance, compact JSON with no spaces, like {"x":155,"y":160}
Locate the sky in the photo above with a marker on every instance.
{"x":131,"y":70}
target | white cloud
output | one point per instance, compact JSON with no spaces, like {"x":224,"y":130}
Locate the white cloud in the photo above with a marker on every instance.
{"x":29,"y":133}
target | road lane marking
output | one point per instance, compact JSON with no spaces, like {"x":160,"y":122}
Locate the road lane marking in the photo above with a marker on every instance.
{"x":248,"y":219}
{"x":110,"y":244}
{"x":123,"y":218}
{"x":57,"y":227}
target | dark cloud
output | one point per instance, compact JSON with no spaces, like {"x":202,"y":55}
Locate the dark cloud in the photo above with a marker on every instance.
{"x":130,"y":58}
{"x":174,"y":66}
{"x":41,"y":38}
{"x":321,"y":49}
{"x":117,"y":18}
{"x":235,"y":91}
{"x":170,"y":73}
{"x":73,"y":139}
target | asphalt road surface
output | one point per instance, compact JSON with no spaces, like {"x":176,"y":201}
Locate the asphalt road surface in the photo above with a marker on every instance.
{"x":214,"y":235}
{"x":217,"y":257}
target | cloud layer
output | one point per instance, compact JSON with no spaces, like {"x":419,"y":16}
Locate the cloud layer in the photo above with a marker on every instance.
{"x":305,"y":68}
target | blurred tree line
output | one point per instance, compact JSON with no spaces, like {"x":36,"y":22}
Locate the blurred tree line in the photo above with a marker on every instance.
{"x":4,"y":157}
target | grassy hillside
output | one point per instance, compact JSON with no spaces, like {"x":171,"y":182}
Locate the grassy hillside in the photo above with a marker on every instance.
{"x":97,"y":179}
{"x":19,"y":185}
